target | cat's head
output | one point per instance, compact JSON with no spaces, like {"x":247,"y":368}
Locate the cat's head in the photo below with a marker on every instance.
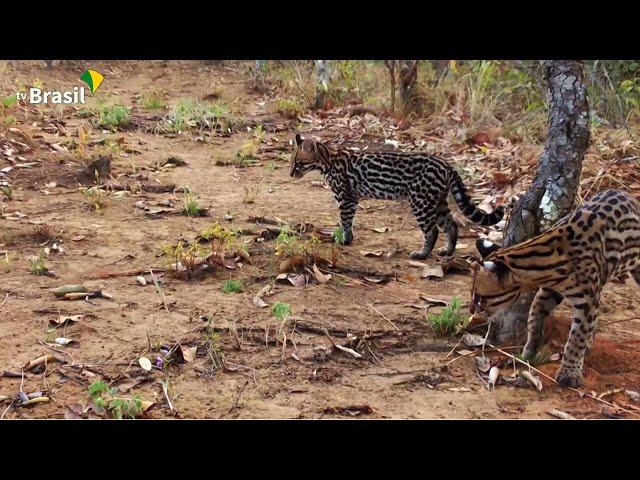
{"x":307,"y":156}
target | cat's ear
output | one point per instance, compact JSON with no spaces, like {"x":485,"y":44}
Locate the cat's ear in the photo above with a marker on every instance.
{"x":486,"y":248}
{"x":309,"y":145}
{"x":498,"y":268}
{"x":299,"y":139}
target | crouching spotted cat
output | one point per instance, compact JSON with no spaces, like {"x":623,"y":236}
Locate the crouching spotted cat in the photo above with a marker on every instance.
{"x":574,"y":259}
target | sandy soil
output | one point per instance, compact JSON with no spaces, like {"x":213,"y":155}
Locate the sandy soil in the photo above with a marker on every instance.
{"x":403,"y":372}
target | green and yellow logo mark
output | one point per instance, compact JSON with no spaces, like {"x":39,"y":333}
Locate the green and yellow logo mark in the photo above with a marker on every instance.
{"x":93,"y":79}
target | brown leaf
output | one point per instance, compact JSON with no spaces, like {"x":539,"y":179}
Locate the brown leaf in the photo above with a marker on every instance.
{"x":479,"y":139}
{"x":299,"y":280}
{"x":319,"y":276}
{"x":375,"y":253}
{"x":434,"y":271}
{"x":189,"y":354}
{"x":39,"y":361}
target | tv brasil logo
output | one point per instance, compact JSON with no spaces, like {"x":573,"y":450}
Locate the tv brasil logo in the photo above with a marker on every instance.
{"x":36,"y":95}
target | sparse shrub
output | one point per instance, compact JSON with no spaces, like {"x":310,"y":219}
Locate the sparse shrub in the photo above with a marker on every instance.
{"x":95,"y":198}
{"x":338,"y":236}
{"x":151,"y":101}
{"x":288,"y":107}
{"x":233,"y":286}
{"x":251,"y":192}
{"x":104,"y":398}
{"x":450,"y":321}
{"x":37,"y":266}
{"x":6,"y":192}
{"x":281,"y":311}
{"x":190,"y":113}
{"x":113,"y":116}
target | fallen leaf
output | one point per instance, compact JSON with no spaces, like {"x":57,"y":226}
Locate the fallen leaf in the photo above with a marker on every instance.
{"x":62,"y":319}
{"x":375,"y":253}
{"x":64,"y":289}
{"x":472,"y":340}
{"x":483,"y":364}
{"x":39,"y":361}
{"x":259,"y":302}
{"x":633,"y":395}
{"x":374,"y":280}
{"x":560,"y":414}
{"x":413,"y":263}
{"x":494,"y":374}
{"x":434,"y":271}
{"x":532,"y":378}
{"x":145,"y":363}
{"x":298,"y":280}
{"x":352,"y":410}
{"x":189,"y":354}
{"x":319,"y":276}
{"x":63,"y":341}
{"x":381,"y":229}
{"x":350,"y":351}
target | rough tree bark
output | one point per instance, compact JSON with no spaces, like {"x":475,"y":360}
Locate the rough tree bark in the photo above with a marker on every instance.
{"x":322,"y":84}
{"x":408,"y":81}
{"x":554,"y":188}
{"x":391,"y":66}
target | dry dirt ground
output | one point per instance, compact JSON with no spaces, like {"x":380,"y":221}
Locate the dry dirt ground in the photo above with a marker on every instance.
{"x":403,"y":371}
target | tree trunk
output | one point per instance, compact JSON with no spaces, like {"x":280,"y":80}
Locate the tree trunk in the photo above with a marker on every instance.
{"x":408,"y":83}
{"x":322,"y":84}
{"x":554,"y":188}
{"x":258,"y":80}
{"x":391,"y":66}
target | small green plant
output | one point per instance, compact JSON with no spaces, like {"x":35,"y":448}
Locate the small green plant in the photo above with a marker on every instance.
{"x":95,"y":198}
{"x":281,"y":311}
{"x":104,"y":397}
{"x":338,"y":236}
{"x":113,"y":116}
{"x":450,"y":321}
{"x":287,"y":244}
{"x":233,"y":286}
{"x":151,"y":101}
{"x":36,"y":263}
{"x":7,"y":191}
{"x":251,"y":192}
{"x":190,"y":205}
{"x":218,"y":232}
{"x":189,"y":113}
{"x":289,"y":108}
{"x":181,"y":259}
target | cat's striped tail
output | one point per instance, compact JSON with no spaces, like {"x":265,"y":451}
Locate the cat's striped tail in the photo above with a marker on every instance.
{"x":468,"y":208}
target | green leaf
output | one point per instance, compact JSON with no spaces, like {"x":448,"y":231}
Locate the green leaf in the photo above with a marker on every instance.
{"x":10,"y":100}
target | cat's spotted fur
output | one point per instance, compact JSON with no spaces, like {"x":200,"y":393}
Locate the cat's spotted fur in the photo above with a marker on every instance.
{"x":424,"y":179}
{"x":574,"y":259}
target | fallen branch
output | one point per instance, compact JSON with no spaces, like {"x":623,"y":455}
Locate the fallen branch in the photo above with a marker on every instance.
{"x":235,"y":403}
{"x":619,"y":321}
{"x":383,"y":316}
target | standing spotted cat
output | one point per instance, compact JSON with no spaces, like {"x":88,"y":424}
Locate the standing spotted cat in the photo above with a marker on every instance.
{"x":424,"y":179}
{"x":599,"y":241}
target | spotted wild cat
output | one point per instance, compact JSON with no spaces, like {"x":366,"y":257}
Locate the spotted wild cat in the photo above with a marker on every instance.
{"x":424,"y":179}
{"x":574,"y":259}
